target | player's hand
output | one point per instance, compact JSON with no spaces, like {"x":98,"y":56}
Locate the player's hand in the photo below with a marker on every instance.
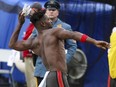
{"x":102,"y":44}
{"x":21,"y":18}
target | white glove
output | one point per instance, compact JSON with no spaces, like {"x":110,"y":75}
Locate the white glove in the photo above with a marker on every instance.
{"x":26,"y":10}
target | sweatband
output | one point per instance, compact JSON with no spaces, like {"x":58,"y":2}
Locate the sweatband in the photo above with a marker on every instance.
{"x":83,"y":38}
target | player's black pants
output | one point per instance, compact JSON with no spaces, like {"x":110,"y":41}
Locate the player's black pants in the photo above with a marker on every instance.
{"x":57,"y":79}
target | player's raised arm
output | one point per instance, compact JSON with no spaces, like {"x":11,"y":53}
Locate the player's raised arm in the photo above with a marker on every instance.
{"x":14,"y":43}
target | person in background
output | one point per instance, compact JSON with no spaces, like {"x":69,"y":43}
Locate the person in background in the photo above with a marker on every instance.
{"x":27,"y":55}
{"x":52,"y":11}
{"x":112,"y":59}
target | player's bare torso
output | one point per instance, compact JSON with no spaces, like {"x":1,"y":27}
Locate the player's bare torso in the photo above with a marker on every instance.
{"x":51,"y":49}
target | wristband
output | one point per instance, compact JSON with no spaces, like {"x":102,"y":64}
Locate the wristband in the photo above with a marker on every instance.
{"x":83,"y":38}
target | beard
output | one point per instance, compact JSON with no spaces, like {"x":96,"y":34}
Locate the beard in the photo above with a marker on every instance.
{"x":50,"y":26}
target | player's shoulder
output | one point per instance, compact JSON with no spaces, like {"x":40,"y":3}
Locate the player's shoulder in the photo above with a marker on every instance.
{"x":56,"y":30}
